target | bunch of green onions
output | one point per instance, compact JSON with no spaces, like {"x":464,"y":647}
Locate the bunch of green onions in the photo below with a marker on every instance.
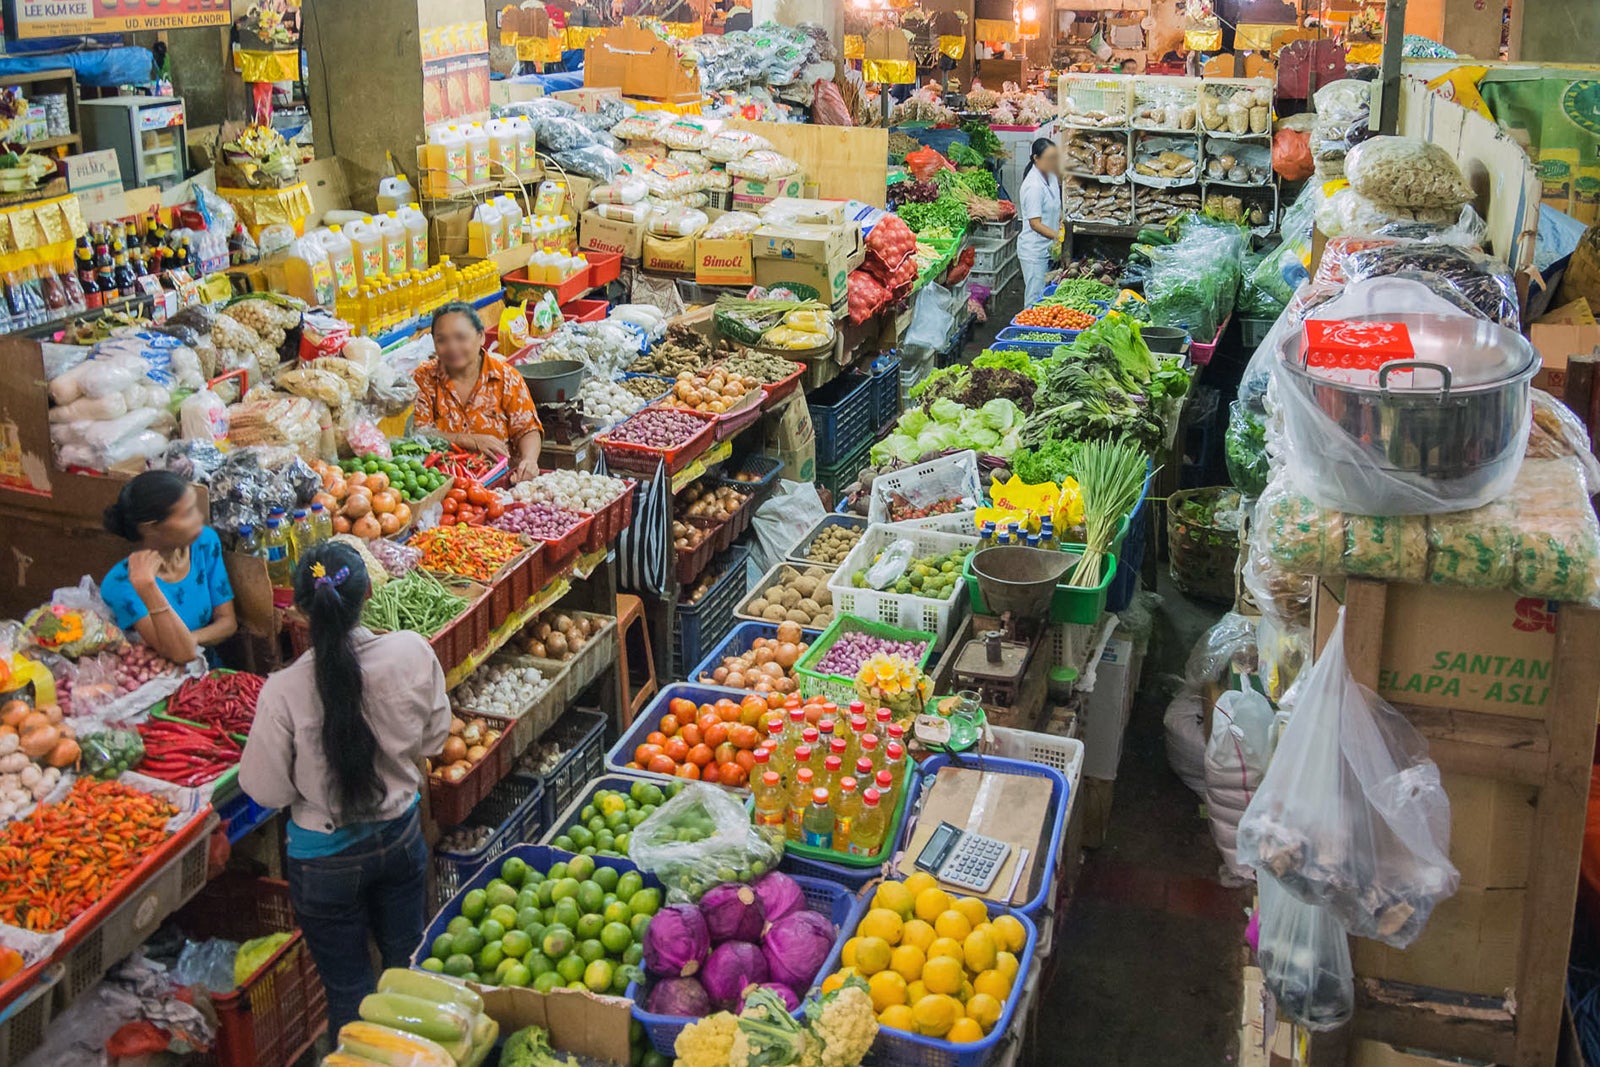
{"x":1110,"y":478}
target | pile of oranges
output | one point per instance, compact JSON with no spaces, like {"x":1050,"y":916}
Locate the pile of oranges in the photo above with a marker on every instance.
{"x":936,"y":965}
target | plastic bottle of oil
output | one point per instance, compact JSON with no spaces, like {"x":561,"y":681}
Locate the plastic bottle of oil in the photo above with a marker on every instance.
{"x":888,"y":788}
{"x":868,"y":829}
{"x":839,"y":749}
{"x":846,"y":808}
{"x":871,"y":751}
{"x":816,"y":826}
{"x":280,"y":571}
{"x":799,"y":800}
{"x":780,"y":757}
{"x":396,"y":250}
{"x":341,"y":257}
{"x":771,"y":803}
{"x":832,"y":770}
{"x":367,"y":244}
{"x":416,"y":224}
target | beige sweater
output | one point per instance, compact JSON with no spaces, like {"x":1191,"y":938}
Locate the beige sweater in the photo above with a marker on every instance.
{"x":405,"y":702}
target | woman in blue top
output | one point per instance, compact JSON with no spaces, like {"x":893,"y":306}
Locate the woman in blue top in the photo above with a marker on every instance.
{"x":173,"y":590}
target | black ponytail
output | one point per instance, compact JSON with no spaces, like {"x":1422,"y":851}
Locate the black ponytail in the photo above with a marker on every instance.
{"x":1040,"y":146}
{"x":148,"y":497}
{"x":330,"y":586}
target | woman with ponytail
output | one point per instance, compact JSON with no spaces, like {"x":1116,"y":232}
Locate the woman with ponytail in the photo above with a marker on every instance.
{"x":338,"y":739}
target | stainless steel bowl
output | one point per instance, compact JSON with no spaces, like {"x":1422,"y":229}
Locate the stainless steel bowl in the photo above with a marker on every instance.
{"x":1452,"y":422}
{"x":554,"y":381}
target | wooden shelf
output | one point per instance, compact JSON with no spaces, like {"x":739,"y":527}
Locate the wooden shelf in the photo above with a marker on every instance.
{"x":49,"y":142}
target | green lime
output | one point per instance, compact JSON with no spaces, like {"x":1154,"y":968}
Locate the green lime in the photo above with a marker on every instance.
{"x":616,"y":937}
{"x":458,"y":964}
{"x":607,"y":900}
{"x":591,"y":898}
{"x":597,"y":823}
{"x":547,"y":893}
{"x":618,"y":912}
{"x":490,"y":957}
{"x":549,"y":980}
{"x":458,"y":924}
{"x":580,"y":868}
{"x":597,"y":976}
{"x":564,"y":843}
{"x":433,"y":964}
{"x":646,"y":901}
{"x":469,"y":943}
{"x":517,"y":974}
{"x":604,"y":841}
{"x":500,"y":893}
{"x":637,"y":816}
{"x":570,"y":967}
{"x":474,"y":904}
{"x":505,"y":915}
{"x":589,"y":926}
{"x":581,"y":836}
{"x":557,"y":942}
{"x":639,"y":924}
{"x":588,"y":811}
{"x":607,"y":877}
{"x":550,"y":915}
{"x":516,"y":943}
{"x":633,"y":953}
{"x":626,"y":976}
{"x":556,"y":872}
{"x":538,"y":963}
{"x":528,"y":919}
{"x":628,"y":884}
{"x":588,"y":850}
{"x":532,"y":878}
{"x":528,"y":898}
{"x":576,"y":983}
{"x":504,"y":966}
{"x":568,"y":913}
{"x":591,"y":950}
{"x":442,"y":946}
{"x":621,"y":844}
{"x":615,"y":819}
{"x":492,"y":929}
{"x":567,"y":888}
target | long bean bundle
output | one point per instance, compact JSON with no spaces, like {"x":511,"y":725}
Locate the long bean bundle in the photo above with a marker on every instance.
{"x":1110,"y":477}
{"x":419,"y":602}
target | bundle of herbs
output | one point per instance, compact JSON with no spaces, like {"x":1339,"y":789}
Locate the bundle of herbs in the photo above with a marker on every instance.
{"x":1106,"y":384}
{"x":1110,"y":478}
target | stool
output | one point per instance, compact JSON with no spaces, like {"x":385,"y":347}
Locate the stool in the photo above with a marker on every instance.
{"x":633,"y":642}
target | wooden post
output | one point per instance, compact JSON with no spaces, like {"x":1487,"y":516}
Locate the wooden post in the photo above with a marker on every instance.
{"x":1394,"y":38}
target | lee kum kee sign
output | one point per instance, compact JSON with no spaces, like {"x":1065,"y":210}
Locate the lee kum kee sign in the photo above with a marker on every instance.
{"x":54,"y":18}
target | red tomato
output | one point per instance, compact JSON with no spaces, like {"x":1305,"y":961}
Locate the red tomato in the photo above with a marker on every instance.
{"x":700,"y":755}
{"x":729,"y":712}
{"x":669,"y":724}
{"x":726,"y":751}
{"x":687,"y":770}
{"x":451,"y":505}
{"x":716,"y":734}
{"x":447,"y":519}
{"x":744,"y":736}
{"x":774,"y":701}
{"x":644,"y":753}
{"x":457,"y":494}
{"x":656,"y":737}
{"x":745,"y":758}
{"x":677,"y":749}
{"x":479,"y":495}
{"x":691,"y":734}
{"x":707,"y":721}
{"x":683,"y":709}
{"x":731,"y":774}
{"x":661,"y":765}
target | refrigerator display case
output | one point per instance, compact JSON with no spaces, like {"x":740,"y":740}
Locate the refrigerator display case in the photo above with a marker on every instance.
{"x":147,"y":133}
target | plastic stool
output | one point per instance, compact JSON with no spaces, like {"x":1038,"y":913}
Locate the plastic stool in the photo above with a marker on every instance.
{"x":634,"y":643}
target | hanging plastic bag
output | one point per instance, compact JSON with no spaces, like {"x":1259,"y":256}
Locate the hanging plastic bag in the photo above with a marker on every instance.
{"x":1305,"y":959}
{"x":204,"y":417}
{"x":1236,"y":761}
{"x":1351,"y":813}
{"x":925,"y":162}
{"x":698,"y":839}
{"x":783,"y":518}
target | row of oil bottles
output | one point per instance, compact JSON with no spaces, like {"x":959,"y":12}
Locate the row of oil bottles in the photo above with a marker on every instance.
{"x":467,"y":156}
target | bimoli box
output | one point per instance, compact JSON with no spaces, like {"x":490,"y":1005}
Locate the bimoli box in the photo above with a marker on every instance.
{"x":597,"y":234}
{"x":829,"y":279}
{"x":1487,"y":651}
{"x":754,"y":192}
{"x":814,"y":244}
{"x":724,"y":261}
{"x":668,"y":255}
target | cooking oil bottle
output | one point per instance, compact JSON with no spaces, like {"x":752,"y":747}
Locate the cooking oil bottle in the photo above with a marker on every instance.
{"x":871,"y":751}
{"x":280,"y":571}
{"x":888,"y":789}
{"x":780,"y":757}
{"x":868,"y":829}
{"x":799,"y":800}
{"x":321,"y":522}
{"x":816,"y":827}
{"x":846,"y":808}
{"x":771,"y":803}
{"x":832,"y":769}
{"x":301,"y":536}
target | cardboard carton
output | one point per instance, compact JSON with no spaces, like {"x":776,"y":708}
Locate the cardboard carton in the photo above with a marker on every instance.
{"x":815,"y":244}
{"x":813,"y":212}
{"x":589,"y":99}
{"x":592,"y":1027}
{"x":668,"y":255}
{"x":829,"y":279}
{"x":597,"y":234}
{"x":793,"y":437}
{"x":1557,"y":344}
{"x":1105,"y":718}
{"x":725,"y":261}
{"x":754,"y":192}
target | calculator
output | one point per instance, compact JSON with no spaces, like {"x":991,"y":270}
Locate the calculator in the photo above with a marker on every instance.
{"x":962,"y":857}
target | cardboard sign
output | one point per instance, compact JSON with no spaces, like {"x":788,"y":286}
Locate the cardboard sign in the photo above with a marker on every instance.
{"x":724,"y":262}
{"x":97,"y":179}
{"x":754,"y":192}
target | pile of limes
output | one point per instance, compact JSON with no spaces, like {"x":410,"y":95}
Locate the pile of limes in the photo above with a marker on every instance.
{"x":936,"y":965}
{"x":576,"y":925}
{"x":605,"y":823}
{"x":407,"y":475}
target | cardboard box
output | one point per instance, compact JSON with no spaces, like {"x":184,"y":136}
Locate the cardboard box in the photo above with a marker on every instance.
{"x":755,"y":192}
{"x":792,"y":437}
{"x":725,"y":261}
{"x":1105,"y":717}
{"x":815,"y":244}
{"x":830,"y":280}
{"x":813,"y":212}
{"x":1573,"y":313}
{"x":1557,"y":344}
{"x":589,"y":98}
{"x":668,"y":255}
{"x":1011,"y":807}
{"x":597,"y":234}
{"x":592,"y":1027}
{"x":1473,"y":650}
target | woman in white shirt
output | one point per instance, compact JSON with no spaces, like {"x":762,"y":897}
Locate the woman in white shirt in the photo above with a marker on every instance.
{"x":1040,"y":205}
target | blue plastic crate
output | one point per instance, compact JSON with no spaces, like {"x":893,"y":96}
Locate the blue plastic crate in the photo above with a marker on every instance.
{"x":901,"y":1048}
{"x":1059,"y":789}
{"x":1036,"y":349}
{"x":822,"y":897}
{"x":842,"y":414}
{"x":797,"y":554}
{"x":703,"y":624}
{"x":885,"y":390}
{"x":648,"y":719}
{"x":540,"y":858}
{"x":767,"y":467}
{"x":740,"y":639}
{"x":242,"y":815}
{"x":514,"y":807}
{"x":568,"y":816}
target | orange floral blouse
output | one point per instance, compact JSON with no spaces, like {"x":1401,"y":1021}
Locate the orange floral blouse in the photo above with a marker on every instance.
{"x":499,"y":405}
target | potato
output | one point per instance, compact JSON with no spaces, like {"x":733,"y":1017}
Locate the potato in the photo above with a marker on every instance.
{"x":775,"y":592}
{"x":758,"y":606}
{"x":790,"y":598}
{"x":774,"y":613}
{"x":824,"y":596}
{"x":805,"y":586}
{"x":796,"y":615}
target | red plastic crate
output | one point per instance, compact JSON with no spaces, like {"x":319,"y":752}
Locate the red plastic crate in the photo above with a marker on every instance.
{"x":467,"y":633}
{"x":585,"y":310}
{"x":642,"y":459}
{"x":781,"y":388}
{"x":451,"y":802}
{"x":692,"y":562}
{"x":516,"y":583}
{"x":518,"y":285}
{"x":278,"y":1013}
{"x":611,"y":519}
{"x":604,"y":267}
{"x":560,"y":552}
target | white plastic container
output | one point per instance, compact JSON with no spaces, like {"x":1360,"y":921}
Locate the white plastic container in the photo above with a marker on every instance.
{"x":477,"y":139}
{"x":488,"y":234}
{"x":510,"y":218}
{"x":503,"y":142}
{"x":457,"y":160}
{"x":367,"y":243}
{"x":527,"y":151}
{"x":416,"y":224}
{"x":341,"y":257}
{"x":394,"y":193}
{"x":396,"y":254}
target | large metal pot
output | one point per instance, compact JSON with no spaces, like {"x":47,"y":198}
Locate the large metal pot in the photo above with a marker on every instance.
{"x":1446,"y":428}
{"x":554,"y":381}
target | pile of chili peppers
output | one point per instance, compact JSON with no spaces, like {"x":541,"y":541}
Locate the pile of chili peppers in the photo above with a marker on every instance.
{"x":226,"y":700}
{"x":58,"y":862}
{"x":462,"y":465}
{"x":476,"y":552}
{"x":186,"y":755}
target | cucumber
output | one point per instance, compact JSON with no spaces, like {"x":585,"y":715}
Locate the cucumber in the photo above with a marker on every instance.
{"x":444,"y":1023}
{"x":435,"y":987}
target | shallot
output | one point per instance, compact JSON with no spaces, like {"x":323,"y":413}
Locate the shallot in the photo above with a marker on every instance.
{"x":852,"y":649}
{"x":543,"y":521}
{"x":659,"y":428}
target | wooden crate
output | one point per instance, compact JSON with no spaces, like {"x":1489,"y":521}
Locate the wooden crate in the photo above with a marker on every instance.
{"x":1486,"y":980}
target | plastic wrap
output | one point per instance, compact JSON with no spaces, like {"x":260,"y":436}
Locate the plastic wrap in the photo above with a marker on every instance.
{"x":728,"y":145}
{"x":626,"y":189}
{"x":677,"y":222}
{"x":689,"y":867}
{"x":247,"y":486}
{"x":1407,"y":172}
{"x":1342,"y":110}
{"x":399,"y":560}
{"x":1484,"y":281}
{"x":1352,"y":814}
{"x":75,"y":623}
{"x":732,"y":224}
{"x":1193,"y":282}
{"x":268,"y":419}
{"x":195,"y":461}
{"x":638,"y":128}
{"x":1305,"y":959}
{"x":591,"y":161}
{"x":688,"y":133}
{"x":1236,"y":758}
{"x":763,"y":166}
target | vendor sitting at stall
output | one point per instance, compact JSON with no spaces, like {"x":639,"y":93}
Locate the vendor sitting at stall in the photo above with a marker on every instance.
{"x":173,"y":591}
{"x":475,"y":400}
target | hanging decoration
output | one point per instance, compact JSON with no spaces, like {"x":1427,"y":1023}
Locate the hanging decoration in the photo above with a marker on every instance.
{"x":266,"y":49}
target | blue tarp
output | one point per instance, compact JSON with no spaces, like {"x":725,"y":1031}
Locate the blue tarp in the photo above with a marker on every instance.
{"x":107,"y":68}
{"x":555,"y":83}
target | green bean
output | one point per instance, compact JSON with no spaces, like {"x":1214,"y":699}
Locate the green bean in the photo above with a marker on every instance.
{"x":416,"y":602}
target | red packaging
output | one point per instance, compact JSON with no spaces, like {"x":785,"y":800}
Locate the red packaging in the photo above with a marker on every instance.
{"x":1352,"y":351}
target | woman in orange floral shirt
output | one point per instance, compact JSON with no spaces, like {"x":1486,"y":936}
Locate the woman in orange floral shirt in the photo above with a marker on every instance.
{"x":474,"y":400}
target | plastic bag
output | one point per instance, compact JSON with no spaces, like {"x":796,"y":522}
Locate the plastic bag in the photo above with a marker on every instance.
{"x":1352,"y":814}
{"x":783,"y":519}
{"x":762,"y":166}
{"x":1236,"y":760}
{"x":725,"y":847}
{"x":1291,"y":155}
{"x":729,"y":145}
{"x":677,"y":222}
{"x":1193,"y":281}
{"x":732,"y":224}
{"x":925,"y":162}
{"x":1407,"y":172}
{"x":1305,"y":959}
{"x":626,"y":189}
{"x":1484,"y":281}
{"x":207,"y":964}
{"x":932,"y":318}
{"x":108,"y":753}
{"x":891,"y":563}
{"x":75,"y":623}
{"x":1186,"y":740}
{"x":688,"y":133}
{"x":203,"y":417}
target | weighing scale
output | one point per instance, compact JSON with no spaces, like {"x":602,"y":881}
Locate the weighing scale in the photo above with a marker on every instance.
{"x":1017,"y":584}
{"x":554,"y":385}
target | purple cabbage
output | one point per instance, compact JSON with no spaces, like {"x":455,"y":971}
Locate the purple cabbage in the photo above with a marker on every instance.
{"x":780,"y":896}
{"x":732,"y":966}
{"x":790,"y":998}
{"x":732,"y":912}
{"x":678,"y":996}
{"x":676,"y":941}
{"x":796,"y":947}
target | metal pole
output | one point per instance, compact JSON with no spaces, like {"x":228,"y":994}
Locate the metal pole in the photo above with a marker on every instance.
{"x":1394,"y":33}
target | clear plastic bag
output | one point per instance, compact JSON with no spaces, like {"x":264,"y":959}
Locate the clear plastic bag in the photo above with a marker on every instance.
{"x":1305,"y":959}
{"x":782,"y":519}
{"x":725,"y":846}
{"x":626,"y":189}
{"x":732,"y":224}
{"x":1237,"y":754}
{"x":891,"y":563}
{"x":203,"y":417}
{"x":1193,"y":282}
{"x":762,"y":166}
{"x":1406,"y":171}
{"x":207,"y":964}
{"x":1351,"y":813}
{"x":75,"y":623}
{"x":1482,"y":280}
{"x":729,"y":145}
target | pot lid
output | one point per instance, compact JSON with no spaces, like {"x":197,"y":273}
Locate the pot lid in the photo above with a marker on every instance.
{"x":1417,"y":352}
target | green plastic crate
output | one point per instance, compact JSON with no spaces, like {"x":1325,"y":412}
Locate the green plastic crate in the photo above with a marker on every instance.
{"x":837,"y":687}
{"x":1076,"y":604}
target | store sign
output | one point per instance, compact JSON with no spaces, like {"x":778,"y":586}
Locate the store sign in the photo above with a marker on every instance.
{"x":56,"y":18}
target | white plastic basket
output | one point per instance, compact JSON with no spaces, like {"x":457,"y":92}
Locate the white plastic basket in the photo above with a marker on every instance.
{"x":928,"y":482}
{"x":904,"y":610}
{"x":957,"y":522}
{"x":1064,"y":754}
{"x":1103,"y":101}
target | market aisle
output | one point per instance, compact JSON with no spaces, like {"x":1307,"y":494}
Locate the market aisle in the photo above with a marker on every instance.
{"x":1149,"y":966}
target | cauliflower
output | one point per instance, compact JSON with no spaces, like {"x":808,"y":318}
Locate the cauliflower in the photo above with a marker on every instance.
{"x":842,"y":1027}
{"x":707,"y":1042}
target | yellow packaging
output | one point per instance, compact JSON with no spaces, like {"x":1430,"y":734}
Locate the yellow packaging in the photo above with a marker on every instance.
{"x":1017,"y":501}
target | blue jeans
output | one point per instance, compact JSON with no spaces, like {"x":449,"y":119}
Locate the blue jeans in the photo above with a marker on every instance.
{"x":376,"y":888}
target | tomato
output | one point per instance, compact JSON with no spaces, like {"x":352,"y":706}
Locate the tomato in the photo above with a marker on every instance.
{"x":687,"y":770}
{"x":728,"y":711}
{"x":677,"y":748}
{"x":661,"y":765}
{"x":706,"y":722}
{"x":683,"y":709}
{"x":478,"y":494}
{"x":711,"y":774}
{"x":754,"y":714}
{"x":691,"y":734}
{"x":775,"y":701}
{"x":656,"y":737}
{"x":447,"y":519}
{"x":716,"y":734}
{"x":756,"y":704}
{"x":457,"y":494}
{"x":669,"y":724}
{"x":731,"y":774}
{"x":745,"y":759}
{"x":725,"y":752}
{"x":451,"y":505}
{"x":813,"y":713}
{"x":632,"y":766}
{"x":646,"y":752}
{"x":700,"y":755}
{"x":744,"y":736}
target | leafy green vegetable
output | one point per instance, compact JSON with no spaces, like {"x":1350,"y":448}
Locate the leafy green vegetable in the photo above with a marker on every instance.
{"x":944,"y":212}
{"x":963,"y":156}
{"x":957,"y":371}
{"x":1049,"y":460}
{"x":1010,"y":359}
{"x":1110,"y":478}
{"x":1245,"y":445}
{"x":994,"y":429}
{"x":984,"y":141}
{"x":1193,"y":282}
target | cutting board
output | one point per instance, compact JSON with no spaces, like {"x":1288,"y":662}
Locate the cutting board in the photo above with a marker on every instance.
{"x":1012,"y":808}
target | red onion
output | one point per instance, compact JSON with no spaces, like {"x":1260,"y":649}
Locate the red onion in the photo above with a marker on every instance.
{"x":851,"y":650}
{"x":543,"y":521}
{"x":658,"y":428}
